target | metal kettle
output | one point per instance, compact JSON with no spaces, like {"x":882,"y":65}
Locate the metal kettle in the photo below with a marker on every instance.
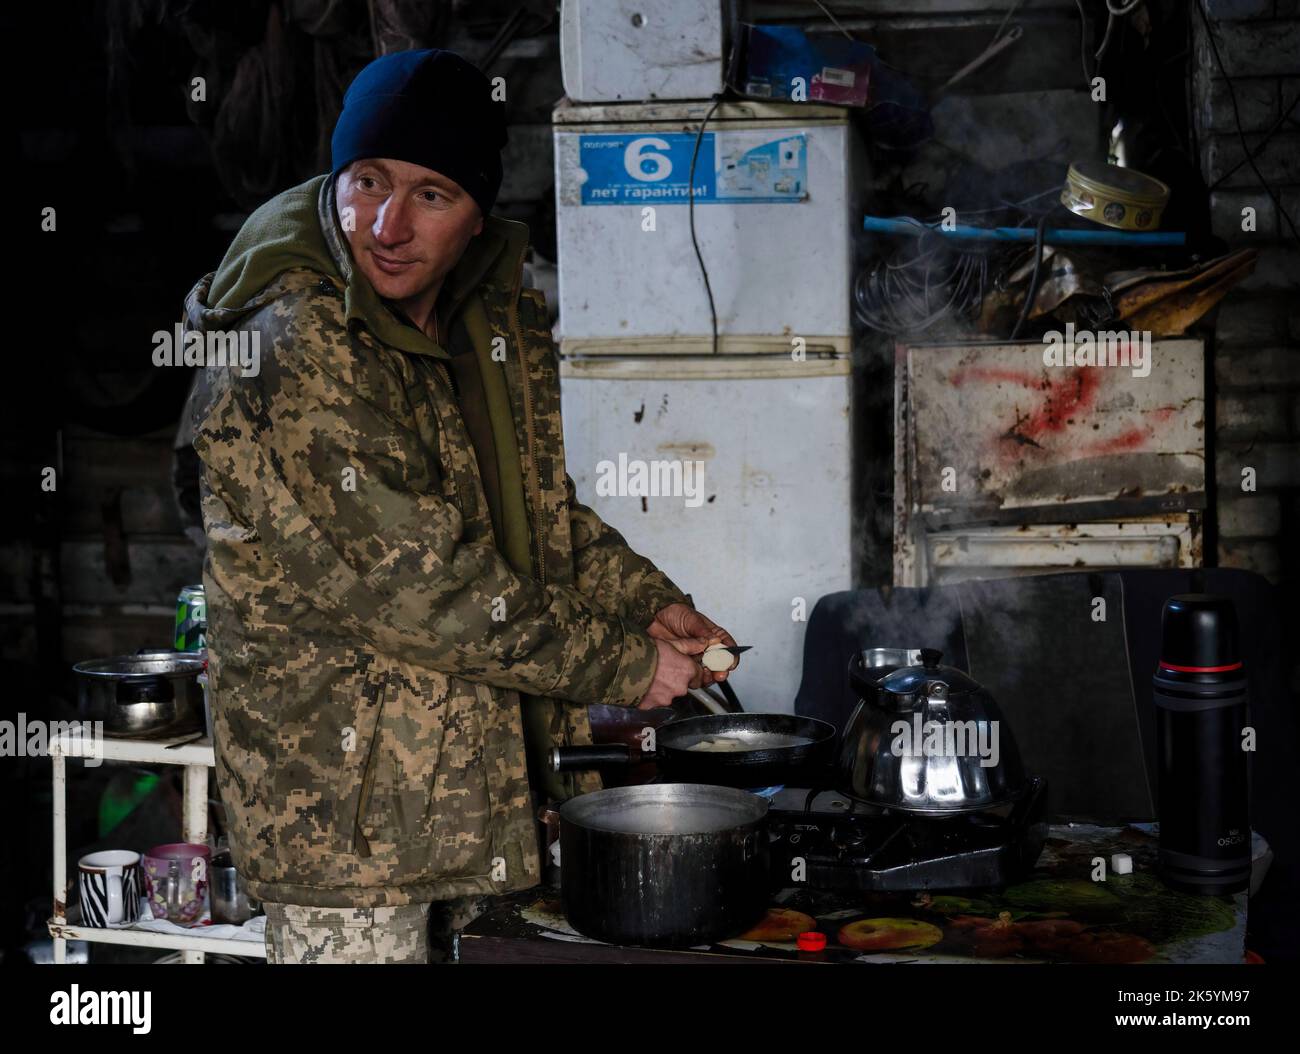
{"x":927,"y":739}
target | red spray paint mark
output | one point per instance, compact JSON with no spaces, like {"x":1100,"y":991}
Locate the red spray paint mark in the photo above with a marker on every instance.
{"x":992,"y":375}
{"x":1134,"y":438}
{"x":1129,"y":440}
{"x":1063,"y":400}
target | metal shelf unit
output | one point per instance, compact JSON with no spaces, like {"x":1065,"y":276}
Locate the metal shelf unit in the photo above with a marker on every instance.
{"x":196,"y":758}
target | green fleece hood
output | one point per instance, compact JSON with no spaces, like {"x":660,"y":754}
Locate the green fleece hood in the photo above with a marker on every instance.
{"x":299,"y":228}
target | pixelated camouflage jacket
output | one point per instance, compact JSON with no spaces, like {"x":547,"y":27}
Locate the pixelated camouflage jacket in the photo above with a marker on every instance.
{"x":368,"y":643}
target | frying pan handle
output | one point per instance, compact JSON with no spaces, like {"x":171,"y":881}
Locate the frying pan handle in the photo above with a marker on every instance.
{"x":729,"y":694}
{"x":728,"y":704}
{"x":574,"y":759}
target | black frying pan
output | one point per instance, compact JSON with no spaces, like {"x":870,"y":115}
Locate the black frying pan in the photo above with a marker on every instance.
{"x":761,"y":765}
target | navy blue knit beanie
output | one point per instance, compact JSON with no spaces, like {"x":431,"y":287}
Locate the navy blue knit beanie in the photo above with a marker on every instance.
{"x":429,"y":108}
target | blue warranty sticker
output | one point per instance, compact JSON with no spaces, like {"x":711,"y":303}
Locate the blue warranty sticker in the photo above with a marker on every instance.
{"x":731,"y":167}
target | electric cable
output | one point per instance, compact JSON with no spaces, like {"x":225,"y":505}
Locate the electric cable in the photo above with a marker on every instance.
{"x":690,"y":202}
{"x":1032,"y":293}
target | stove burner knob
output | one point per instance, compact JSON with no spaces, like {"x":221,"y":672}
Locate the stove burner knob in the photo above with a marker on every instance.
{"x":848,"y":836}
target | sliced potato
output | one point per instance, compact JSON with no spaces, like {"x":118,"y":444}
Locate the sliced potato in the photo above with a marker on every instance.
{"x":718,"y":659}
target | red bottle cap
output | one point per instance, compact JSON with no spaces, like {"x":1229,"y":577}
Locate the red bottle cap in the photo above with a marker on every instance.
{"x":811,"y":941}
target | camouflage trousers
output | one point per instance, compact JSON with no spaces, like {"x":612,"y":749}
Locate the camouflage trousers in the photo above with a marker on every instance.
{"x":408,"y":933}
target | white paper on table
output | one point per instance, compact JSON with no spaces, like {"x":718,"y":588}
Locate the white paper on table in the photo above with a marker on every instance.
{"x":252,"y":930}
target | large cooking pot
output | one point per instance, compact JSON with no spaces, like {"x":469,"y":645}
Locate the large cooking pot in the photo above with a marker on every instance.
{"x":927,"y":739}
{"x":667,"y":865}
{"x":153,"y":695}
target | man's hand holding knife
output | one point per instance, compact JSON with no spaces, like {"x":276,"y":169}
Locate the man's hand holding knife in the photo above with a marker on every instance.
{"x":682,"y":635}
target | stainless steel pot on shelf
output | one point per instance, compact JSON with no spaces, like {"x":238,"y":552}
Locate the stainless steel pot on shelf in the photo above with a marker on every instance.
{"x":153,"y":695}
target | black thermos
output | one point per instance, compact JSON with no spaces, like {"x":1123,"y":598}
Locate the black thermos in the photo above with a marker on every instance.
{"x":1200,"y":698}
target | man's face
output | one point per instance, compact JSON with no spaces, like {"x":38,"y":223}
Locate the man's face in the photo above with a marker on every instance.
{"x":410,"y":227}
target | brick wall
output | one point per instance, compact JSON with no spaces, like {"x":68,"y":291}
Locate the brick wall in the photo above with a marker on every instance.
{"x":1257,"y":334}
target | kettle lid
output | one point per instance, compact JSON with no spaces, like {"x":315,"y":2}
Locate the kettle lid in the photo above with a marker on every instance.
{"x":912,"y":680}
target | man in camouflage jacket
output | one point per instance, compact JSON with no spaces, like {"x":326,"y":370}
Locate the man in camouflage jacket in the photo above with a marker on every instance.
{"x":382,"y":631}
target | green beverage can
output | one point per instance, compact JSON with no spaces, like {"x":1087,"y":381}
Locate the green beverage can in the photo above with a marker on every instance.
{"x":191,"y":619}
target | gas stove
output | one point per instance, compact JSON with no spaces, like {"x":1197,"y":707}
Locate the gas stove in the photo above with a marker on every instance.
{"x":826,"y":840}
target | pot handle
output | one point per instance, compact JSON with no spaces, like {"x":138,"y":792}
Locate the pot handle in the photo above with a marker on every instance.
{"x":574,"y":759}
{"x":859,"y":679}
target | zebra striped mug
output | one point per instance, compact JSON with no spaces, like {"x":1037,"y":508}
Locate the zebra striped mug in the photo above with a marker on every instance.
{"x":109,"y":884}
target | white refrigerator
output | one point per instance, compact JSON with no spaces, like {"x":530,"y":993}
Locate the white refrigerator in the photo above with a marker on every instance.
{"x":730,"y":470}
